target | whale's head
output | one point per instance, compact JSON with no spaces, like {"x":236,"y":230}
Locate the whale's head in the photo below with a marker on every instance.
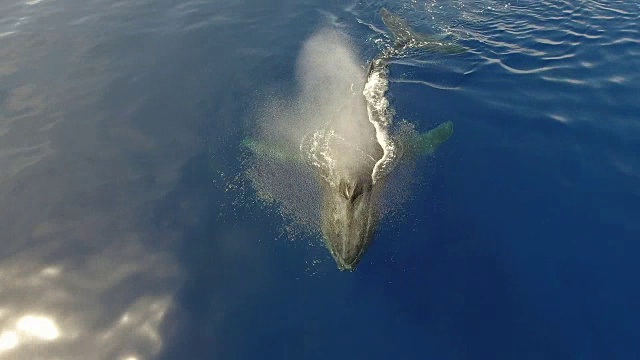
{"x":349,"y":217}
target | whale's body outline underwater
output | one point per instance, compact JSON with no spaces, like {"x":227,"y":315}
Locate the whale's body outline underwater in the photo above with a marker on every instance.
{"x":352,"y":173}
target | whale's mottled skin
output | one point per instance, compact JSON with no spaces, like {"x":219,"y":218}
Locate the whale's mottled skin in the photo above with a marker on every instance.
{"x":352,"y":155}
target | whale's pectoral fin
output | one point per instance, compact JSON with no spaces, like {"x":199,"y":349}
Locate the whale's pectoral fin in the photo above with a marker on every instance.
{"x":272,"y":151}
{"x":428,"y":142}
{"x":405,"y":37}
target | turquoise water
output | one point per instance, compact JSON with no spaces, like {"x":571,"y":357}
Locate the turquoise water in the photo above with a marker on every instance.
{"x":124,"y":236}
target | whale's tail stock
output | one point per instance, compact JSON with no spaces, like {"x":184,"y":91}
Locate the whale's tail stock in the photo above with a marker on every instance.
{"x":405,"y":37}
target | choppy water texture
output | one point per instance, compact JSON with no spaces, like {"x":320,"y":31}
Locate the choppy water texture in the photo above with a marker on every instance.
{"x":120,"y":125}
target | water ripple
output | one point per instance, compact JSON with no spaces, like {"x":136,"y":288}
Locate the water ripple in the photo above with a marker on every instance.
{"x":564,"y":51}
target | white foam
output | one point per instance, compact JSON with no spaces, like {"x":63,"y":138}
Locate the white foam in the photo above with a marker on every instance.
{"x":380,"y":116}
{"x":317,"y":151}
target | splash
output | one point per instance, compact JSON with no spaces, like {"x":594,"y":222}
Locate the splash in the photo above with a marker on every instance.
{"x":340,"y":123}
{"x":322,"y":125}
{"x":380,"y":116}
{"x":336,"y":124}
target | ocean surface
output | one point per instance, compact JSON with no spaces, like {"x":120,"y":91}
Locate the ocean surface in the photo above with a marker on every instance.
{"x":124,"y":233}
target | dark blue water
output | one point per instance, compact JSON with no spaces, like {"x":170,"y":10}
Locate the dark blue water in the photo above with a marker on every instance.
{"x":124,"y":238}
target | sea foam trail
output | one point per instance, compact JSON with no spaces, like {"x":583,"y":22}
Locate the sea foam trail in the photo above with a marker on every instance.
{"x":380,"y":116}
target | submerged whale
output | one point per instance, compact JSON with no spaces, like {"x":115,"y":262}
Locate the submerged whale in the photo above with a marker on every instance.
{"x":353,"y":153}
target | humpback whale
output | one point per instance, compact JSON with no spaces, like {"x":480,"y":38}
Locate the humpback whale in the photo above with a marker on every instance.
{"x":352,"y":153}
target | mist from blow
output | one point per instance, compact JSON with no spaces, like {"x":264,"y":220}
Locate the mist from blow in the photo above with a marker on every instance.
{"x":321,"y":132}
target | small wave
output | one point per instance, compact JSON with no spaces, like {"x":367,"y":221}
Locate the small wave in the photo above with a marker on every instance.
{"x":580,"y":35}
{"x":559,"y":118}
{"x":624,"y":40}
{"x":520,"y":71}
{"x":565,"y":80}
{"x":548,"y":41}
{"x":610,"y":9}
{"x":6,"y":33}
{"x":426,"y":83}
{"x":559,"y":57}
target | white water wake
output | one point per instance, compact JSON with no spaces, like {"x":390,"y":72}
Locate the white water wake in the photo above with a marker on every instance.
{"x":381,"y":117}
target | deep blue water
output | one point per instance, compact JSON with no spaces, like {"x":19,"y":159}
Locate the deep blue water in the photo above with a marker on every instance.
{"x":122,"y":237}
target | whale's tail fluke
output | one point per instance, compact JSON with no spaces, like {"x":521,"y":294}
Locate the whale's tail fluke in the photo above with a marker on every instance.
{"x":405,"y":37}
